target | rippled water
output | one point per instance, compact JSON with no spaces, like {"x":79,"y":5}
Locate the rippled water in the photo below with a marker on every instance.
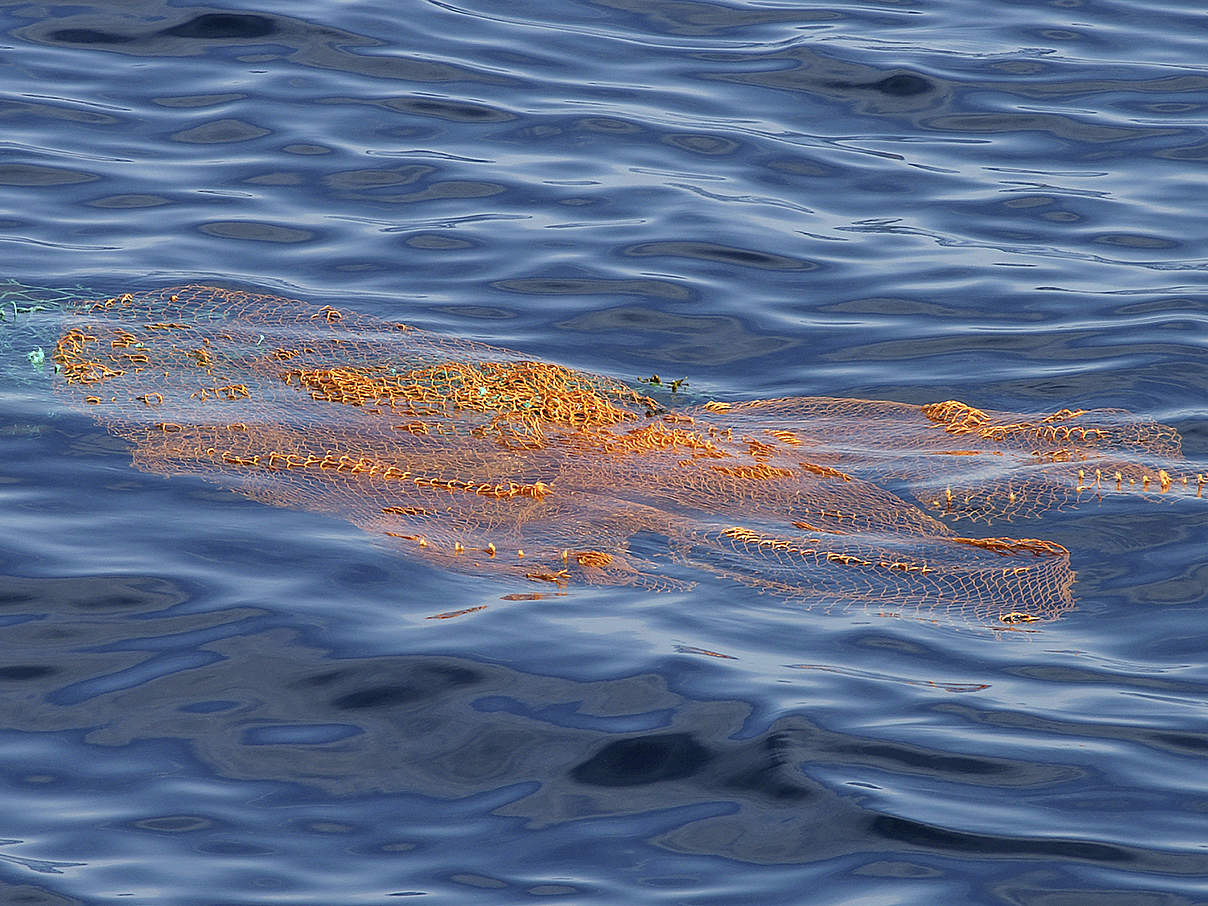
{"x":208,"y":701}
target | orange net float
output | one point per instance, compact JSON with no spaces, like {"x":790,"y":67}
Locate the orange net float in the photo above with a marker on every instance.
{"x":458,"y":452}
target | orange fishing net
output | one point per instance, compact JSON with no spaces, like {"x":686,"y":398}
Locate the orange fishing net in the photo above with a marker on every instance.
{"x":482,"y":460}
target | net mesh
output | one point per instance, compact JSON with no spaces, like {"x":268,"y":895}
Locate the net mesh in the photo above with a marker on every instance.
{"x":483,"y":460}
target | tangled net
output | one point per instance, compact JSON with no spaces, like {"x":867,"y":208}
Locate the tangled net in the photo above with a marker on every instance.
{"x":483,"y":460}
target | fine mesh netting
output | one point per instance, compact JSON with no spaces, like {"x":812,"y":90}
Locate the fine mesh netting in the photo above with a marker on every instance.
{"x":24,"y":310}
{"x":484,"y":460}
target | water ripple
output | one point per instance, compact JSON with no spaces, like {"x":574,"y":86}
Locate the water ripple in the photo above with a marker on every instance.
{"x":205,"y":697}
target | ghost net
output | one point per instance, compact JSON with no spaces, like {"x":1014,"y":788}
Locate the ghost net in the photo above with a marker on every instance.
{"x":483,"y":460}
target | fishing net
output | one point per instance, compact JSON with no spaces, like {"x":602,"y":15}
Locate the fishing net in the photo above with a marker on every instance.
{"x":483,"y":460}
{"x":23,"y":328}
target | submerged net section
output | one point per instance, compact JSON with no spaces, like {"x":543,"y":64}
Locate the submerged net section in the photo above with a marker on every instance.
{"x":25,"y":312}
{"x":484,"y":460}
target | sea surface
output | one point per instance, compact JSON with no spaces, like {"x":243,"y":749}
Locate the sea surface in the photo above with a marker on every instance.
{"x":207,"y":701}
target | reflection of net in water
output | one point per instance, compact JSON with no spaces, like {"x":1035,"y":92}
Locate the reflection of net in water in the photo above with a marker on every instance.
{"x":480,"y":459}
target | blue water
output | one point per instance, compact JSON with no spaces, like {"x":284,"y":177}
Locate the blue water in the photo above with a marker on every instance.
{"x":204,"y":700}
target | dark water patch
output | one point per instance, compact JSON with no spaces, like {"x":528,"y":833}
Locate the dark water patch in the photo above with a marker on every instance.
{"x":36,"y":175}
{"x":34,"y":895}
{"x":25,"y":672}
{"x":213,"y":26}
{"x":1192,"y":745}
{"x":17,"y":110}
{"x":812,"y":73}
{"x":1135,"y":241}
{"x":423,"y":682}
{"x":357,"y":180}
{"x":438,"y":243}
{"x":480,"y":882}
{"x":906,"y":759}
{"x":87,"y":36}
{"x":307,"y":43}
{"x":128,"y":202}
{"x":775,"y":775}
{"x":609,"y":125}
{"x":204,"y":27}
{"x":453,"y":110}
{"x":250,"y":231}
{"x":439,"y":190}
{"x":193,"y":101}
{"x":940,"y":839}
{"x":11,"y":598}
{"x":174,"y":824}
{"x":1193,"y":150}
{"x":711,"y":145}
{"x":586,"y":286}
{"x":138,"y":594}
{"x":1066,"y":675}
{"x":902,"y":84}
{"x":643,"y":760}
{"x":800,"y":166}
{"x":306,"y":149}
{"x":1063,"y":127}
{"x":218,"y":132}
{"x":798,"y":742}
{"x":708,"y":251}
